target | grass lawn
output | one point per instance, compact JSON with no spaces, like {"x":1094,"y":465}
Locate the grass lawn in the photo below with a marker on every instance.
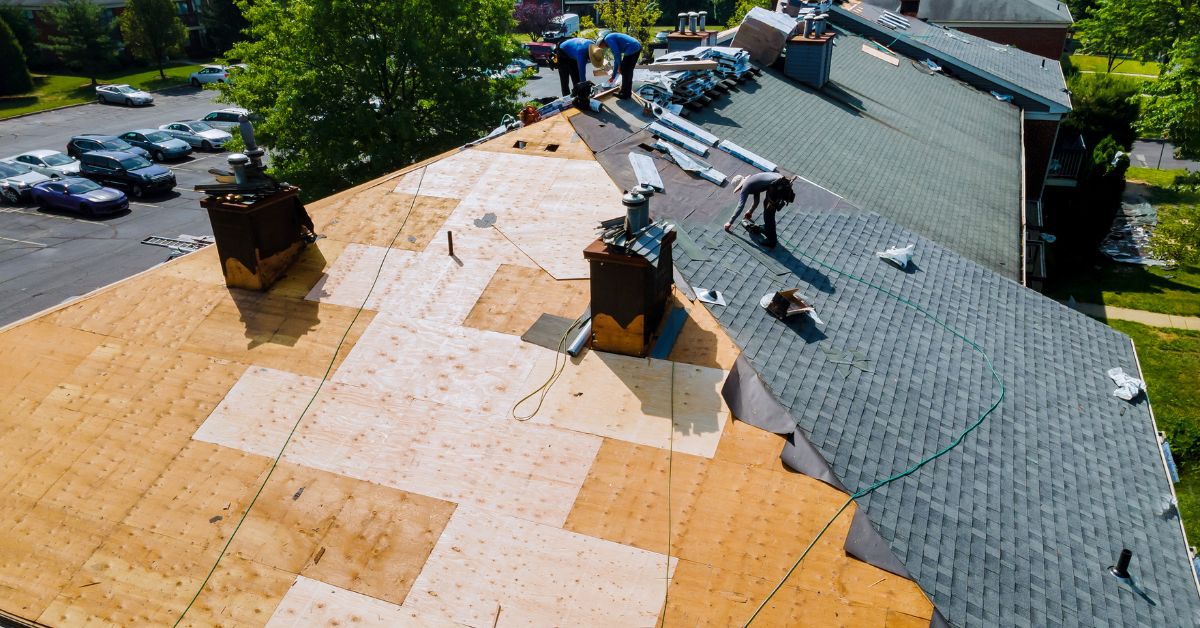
{"x":1169,"y":358}
{"x":1092,"y":63}
{"x":57,"y":90}
{"x":1169,"y":291}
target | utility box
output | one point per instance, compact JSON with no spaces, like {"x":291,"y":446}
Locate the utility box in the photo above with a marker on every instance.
{"x":631,"y":278}
{"x":258,"y":237}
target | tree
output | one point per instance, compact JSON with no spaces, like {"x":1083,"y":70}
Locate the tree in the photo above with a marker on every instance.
{"x":1102,"y":105}
{"x":152,"y":30}
{"x":223,"y":22}
{"x":743,"y":7}
{"x":632,"y":17}
{"x":1141,"y":29}
{"x":535,"y":19}
{"x":1174,"y":112}
{"x":83,"y":42}
{"x":22,"y":28}
{"x":407,"y":79}
{"x":14,"y":75}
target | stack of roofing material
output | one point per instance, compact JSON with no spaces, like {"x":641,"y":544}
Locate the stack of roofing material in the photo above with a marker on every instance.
{"x":763,"y":34}
{"x":731,"y":62}
{"x":674,"y":87}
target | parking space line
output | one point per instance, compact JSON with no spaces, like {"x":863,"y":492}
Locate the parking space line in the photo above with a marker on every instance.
{"x":24,"y":242}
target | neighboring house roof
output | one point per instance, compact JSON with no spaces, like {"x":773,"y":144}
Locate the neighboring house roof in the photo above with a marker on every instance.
{"x":1018,"y":524}
{"x":1037,"y":82}
{"x":1006,"y":11}
{"x":932,"y":154}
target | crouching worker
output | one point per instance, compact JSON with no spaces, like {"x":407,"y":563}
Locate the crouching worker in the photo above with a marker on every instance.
{"x":625,"y":51}
{"x":779,"y":192}
{"x":573,"y":57}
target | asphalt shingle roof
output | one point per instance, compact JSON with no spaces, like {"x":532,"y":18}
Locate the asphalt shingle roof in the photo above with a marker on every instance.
{"x":1020,"y":11}
{"x":1038,"y":81}
{"x":933,"y":154}
{"x":1018,"y":524}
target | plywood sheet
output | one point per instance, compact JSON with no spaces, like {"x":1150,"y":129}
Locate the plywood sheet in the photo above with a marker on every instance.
{"x":638,"y":400}
{"x":37,"y":451}
{"x":702,"y":341}
{"x":314,"y":603}
{"x":259,"y":412}
{"x":517,"y":296}
{"x":289,"y":334}
{"x":744,"y":444}
{"x":494,"y":570}
{"x":34,"y":358}
{"x":447,"y":178}
{"x":359,"y":269}
{"x":240,"y":593}
{"x":550,"y":137}
{"x":40,"y":550}
{"x":377,"y":216}
{"x":460,"y":367}
{"x":452,"y":453}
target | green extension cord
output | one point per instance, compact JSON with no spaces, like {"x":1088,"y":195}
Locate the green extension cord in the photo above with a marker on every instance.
{"x":924,"y":461}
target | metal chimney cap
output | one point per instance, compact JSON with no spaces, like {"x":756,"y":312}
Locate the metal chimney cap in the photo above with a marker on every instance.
{"x":633,"y":199}
{"x":643,"y":190}
{"x":238,"y":159}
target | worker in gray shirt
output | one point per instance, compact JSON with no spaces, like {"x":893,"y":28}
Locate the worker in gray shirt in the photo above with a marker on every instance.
{"x":778,"y":190}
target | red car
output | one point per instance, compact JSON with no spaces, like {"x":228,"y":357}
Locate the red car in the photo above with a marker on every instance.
{"x":541,"y":52}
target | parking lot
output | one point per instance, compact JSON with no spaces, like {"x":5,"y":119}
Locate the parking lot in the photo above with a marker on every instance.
{"x":47,"y":257}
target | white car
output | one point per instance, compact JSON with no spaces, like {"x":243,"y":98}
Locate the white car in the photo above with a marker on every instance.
{"x":225,"y":119}
{"x":16,"y":182}
{"x":122,"y":94}
{"x":214,"y":74}
{"x":48,"y":162}
{"x":198,"y":134}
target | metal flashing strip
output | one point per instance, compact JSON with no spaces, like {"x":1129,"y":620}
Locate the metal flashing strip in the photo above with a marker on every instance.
{"x":757,"y":161}
{"x":675,"y":138}
{"x":683,"y":160}
{"x":645,"y":171}
{"x":687,"y":128}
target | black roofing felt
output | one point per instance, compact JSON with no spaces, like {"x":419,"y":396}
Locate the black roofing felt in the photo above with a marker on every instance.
{"x":929,"y":152}
{"x":1018,"y":524}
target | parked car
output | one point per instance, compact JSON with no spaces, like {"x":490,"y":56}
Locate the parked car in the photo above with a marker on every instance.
{"x":126,"y":171}
{"x":520,"y":67}
{"x":79,"y":195}
{"x":215,"y":74}
{"x":16,"y":181}
{"x":198,"y":134}
{"x":541,"y":52}
{"x":88,"y":142}
{"x":48,"y":162}
{"x":160,"y":145}
{"x":123,"y":95}
{"x":225,"y":119}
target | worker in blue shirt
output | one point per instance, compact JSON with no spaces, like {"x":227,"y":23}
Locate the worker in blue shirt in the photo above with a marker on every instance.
{"x":625,"y":51}
{"x":572,"y":62}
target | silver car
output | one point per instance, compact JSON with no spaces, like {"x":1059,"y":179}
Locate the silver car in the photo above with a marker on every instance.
{"x":122,"y":94}
{"x":48,"y":162}
{"x":16,"y":181}
{"x":198,"y":134}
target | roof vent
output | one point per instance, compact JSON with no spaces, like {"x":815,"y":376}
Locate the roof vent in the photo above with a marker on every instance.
{"x":1121,"y":569}
{"x":893,"y":21}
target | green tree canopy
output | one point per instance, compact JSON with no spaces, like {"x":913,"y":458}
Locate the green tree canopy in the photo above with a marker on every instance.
{"x":1103,"y":105}
{"x":152,"y":30}
{"x":407,"y":79}
{"x":632,"y":17}
{"x":14,"y":75}
{"x":743,"y":7}
{"x":1140,"y":29}
{"x":83,"y":42}
{"x":223,"y":22}
{"x":1174,"y":110}
{"x":22,"y":28}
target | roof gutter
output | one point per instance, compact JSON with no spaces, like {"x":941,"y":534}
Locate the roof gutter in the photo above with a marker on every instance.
{"x":946,"y":59}
{"x":1021,"y":202}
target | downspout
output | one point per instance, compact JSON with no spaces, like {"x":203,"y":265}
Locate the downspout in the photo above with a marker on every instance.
{"x":1021,"y":200}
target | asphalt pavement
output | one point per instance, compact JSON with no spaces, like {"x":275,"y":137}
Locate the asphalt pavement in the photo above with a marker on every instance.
{"x":47,"y":257}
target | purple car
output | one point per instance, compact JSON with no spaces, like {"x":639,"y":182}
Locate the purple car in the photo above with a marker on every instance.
{"x":80,"y":195}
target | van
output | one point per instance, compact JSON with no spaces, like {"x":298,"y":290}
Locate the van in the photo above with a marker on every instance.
{"x":565,"y":25}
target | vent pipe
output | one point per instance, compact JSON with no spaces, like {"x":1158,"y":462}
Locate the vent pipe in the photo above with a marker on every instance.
{"x":693,"y":17}
{"x":683,"y":22}
{"x":238,"y":163}
{"x":1121,"y":569}
{"x":637,"y":212}
{"x":703,"y":20}
{"x":808,"y":26}
{"x":819,"y":25}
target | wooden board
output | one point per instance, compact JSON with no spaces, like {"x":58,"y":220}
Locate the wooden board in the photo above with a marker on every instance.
{"x":635,"y":400}
{"x":528,"y":471}
{"x":378,"y":216}
{"x":314,"y":603}
{"x":881,"y":55}
{"x":489,"y":569}
{"x":703,"y":341}
{"x":552,"y":137}
{"x":360,"y":268}
{"x":34,"y":358}
{"x":450,"y":177}
{"x":517,"y":295}
{"x":240,"y":593}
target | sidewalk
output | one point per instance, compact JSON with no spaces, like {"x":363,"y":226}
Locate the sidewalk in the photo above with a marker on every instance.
{"x":1154,"y":319}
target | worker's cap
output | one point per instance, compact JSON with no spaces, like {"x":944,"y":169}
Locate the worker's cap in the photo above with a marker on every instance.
{"x":596,"y":54}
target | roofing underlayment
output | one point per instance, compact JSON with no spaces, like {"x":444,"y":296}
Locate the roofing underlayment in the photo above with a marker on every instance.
{"x":1017,"y":525}
{"x":140,"y":422}
{"x":1037,"y":83}
{"x":926,"y":151}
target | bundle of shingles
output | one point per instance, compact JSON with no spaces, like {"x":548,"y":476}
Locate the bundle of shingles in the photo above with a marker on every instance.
{"x":690,"y":87}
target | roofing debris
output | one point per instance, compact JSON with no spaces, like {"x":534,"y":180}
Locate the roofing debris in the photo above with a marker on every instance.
{"x":1128,"y":240}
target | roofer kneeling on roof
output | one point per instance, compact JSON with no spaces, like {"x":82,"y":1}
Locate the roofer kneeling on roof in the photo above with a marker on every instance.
{"x":779,"y":193}
{"x":626,"y":51}
{"x":573,"y":57}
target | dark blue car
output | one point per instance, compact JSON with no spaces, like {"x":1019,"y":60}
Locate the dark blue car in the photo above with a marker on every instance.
{"x":126,"y":171}
{"x":79,"y":195}
{"x":88,"y":142}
